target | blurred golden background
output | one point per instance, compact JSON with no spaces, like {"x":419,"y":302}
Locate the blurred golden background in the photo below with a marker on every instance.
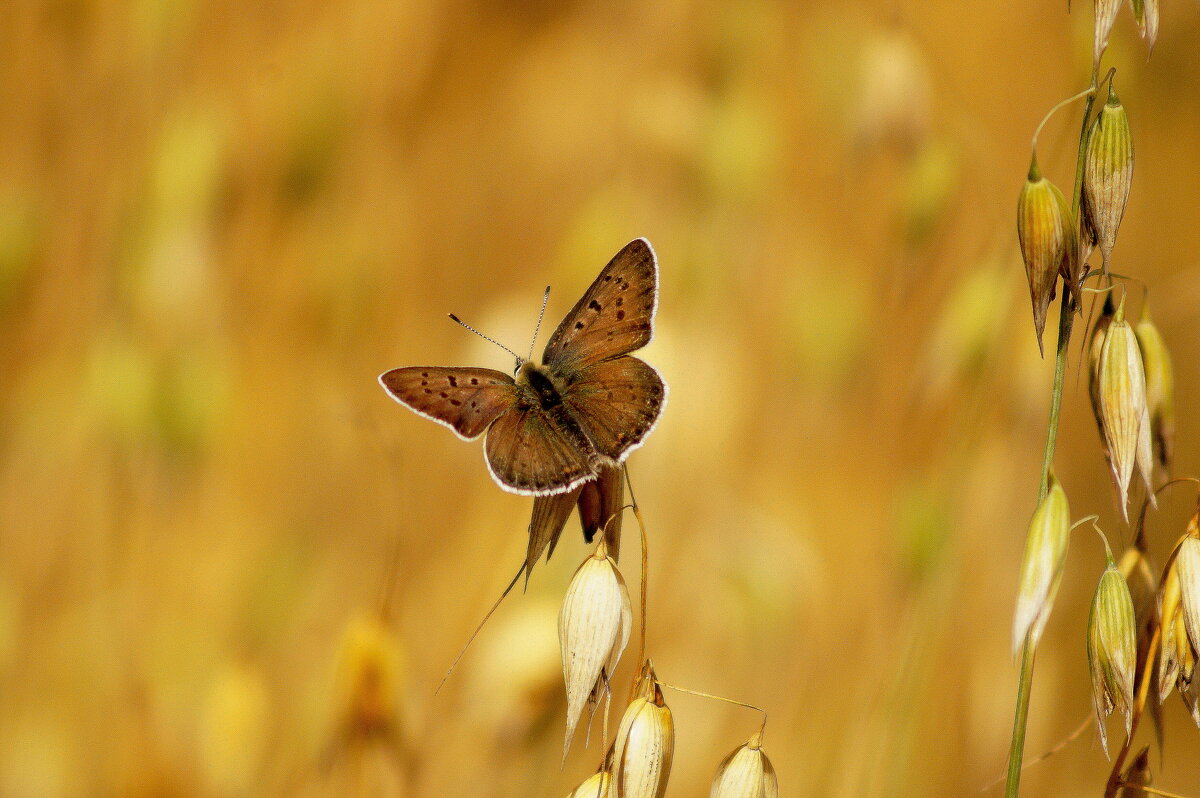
{"x":230,"y":565}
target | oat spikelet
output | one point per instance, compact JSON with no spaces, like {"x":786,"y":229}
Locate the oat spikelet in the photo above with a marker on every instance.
{"x":1042,"y":565}
{"x":1124,"y":417}
{"x":1180,"y":617}
{"x":1107,"y":173}
{"x":645,"y":744}
{"x":593,"y":630}
{"x":746,"y":773}
{"x":1049,"y":244}
{"x":1112,"y":649}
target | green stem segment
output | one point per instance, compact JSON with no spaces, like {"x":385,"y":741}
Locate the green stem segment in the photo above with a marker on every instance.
{"x":1016,"y":752}
{"x":1066,"y":319}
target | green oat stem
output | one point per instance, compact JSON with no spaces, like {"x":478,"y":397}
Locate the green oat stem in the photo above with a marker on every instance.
{"x":1065,"y":320}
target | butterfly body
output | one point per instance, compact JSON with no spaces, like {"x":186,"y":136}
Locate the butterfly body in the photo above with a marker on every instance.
{"x":588,"y":403}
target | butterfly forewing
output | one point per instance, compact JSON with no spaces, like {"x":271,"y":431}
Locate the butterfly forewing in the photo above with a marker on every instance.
{"x":615,"y":315}
{"x":465,"y":399}
{"x":530,"y":451}
{"x":616,"y":403}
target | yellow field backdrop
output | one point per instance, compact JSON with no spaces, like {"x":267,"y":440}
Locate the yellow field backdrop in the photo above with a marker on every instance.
{"x":220,"y":221}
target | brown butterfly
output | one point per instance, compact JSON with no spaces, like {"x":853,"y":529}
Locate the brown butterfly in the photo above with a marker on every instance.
{"x":588,"y":404}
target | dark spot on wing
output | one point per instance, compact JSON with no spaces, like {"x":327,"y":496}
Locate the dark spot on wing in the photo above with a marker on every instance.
{"x":620,"y":301}
{"x":474,"y":381}
{"x":424,"y":373}
{"x":578,"y":325}
{"x":453,"y":382}
{"x":620,"y":315}
{"x":596,"y":306}
{"x":455,"y":402}
{"x":443,"y":394}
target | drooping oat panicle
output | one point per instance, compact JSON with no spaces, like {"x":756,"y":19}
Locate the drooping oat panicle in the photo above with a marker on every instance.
{"x":1160,"y":386}
{"x":1106,"y":15}
{"x":1146,"y":14}
{"x":1042,"y":566}
{"x":593,"y":630}
{"x":1107,"y":173}
{"x":1049,"y":243}
{"x":645,"y":743}
{"x":597,"y":786}
{"x":746,"y":773}
{"x":1123,"y":413}
{"x":1112,"y":649}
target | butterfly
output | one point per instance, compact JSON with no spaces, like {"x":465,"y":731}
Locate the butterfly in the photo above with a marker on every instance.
{"x":555,"y":425}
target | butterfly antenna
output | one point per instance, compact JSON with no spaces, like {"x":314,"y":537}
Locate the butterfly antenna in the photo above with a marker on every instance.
{"x":538,"y":327}
{"x":457,"y":320}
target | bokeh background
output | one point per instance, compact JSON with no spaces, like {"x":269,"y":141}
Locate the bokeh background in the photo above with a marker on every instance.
{"x":231,"y":566}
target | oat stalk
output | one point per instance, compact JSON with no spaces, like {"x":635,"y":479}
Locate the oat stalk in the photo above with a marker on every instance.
{"x":1066,"y":319}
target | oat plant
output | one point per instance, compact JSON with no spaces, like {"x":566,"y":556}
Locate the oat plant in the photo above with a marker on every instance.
{"x":1143,"y":631}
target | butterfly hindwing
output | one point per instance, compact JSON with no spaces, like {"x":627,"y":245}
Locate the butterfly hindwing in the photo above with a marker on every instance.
{"x":532,"y":452}
{"x":466,"y":400}
{"x":615,"y":316}
{"x":616,"y":403}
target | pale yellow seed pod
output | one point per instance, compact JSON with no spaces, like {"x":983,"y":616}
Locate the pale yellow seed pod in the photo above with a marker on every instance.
{"x":598,"y":786}
{"x":1049,"y":244}
{"x":746,"y":773}
{"x":644,"y":746}
{"x":1188,"y":563}
{"x":593,"y":630}
{"x":1106,"y":15}
{"x":1042,"y":566}
{"x":1112,"y":649}
{"x":1123,"y":414}
{"x":1160,"y":386}
{"x":1107,"y":173}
